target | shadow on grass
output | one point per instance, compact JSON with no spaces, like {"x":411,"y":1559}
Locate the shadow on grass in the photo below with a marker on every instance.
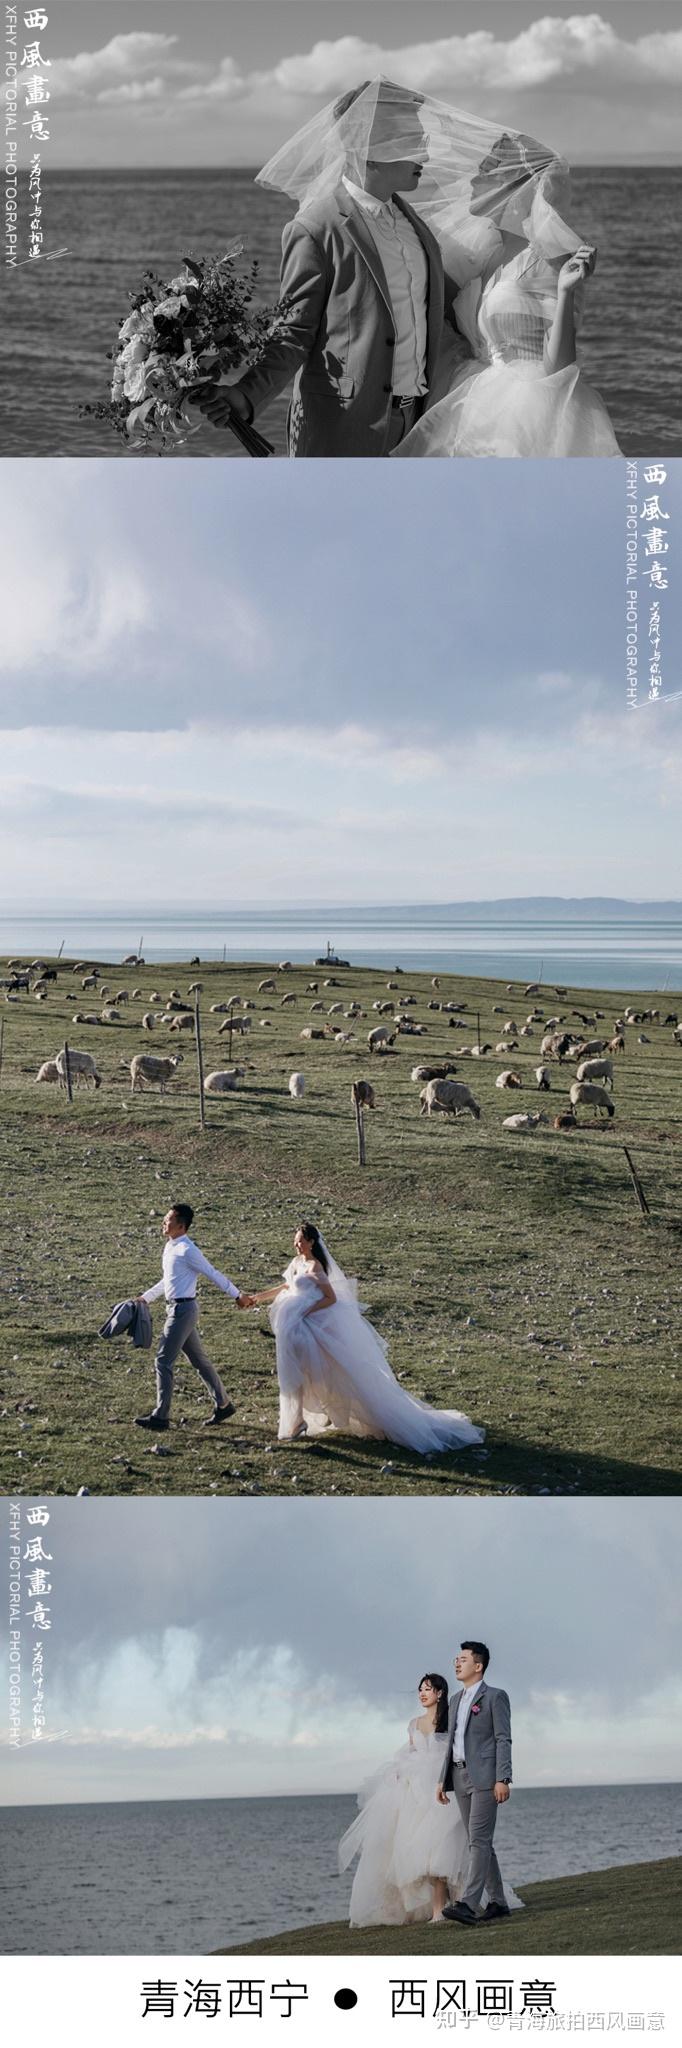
{"x":519,"y":1464}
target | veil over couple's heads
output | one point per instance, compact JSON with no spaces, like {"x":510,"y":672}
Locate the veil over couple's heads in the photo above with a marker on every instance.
{"x":462,"y":171}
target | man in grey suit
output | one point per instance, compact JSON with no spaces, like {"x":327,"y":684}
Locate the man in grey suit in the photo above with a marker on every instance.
{"x":366,"y":291}
{"x":478,"y":1768}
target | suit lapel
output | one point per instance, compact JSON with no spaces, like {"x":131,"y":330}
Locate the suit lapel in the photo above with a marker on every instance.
{"x":362,"y":236}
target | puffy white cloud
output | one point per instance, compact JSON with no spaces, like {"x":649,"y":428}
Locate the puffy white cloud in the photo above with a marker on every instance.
{"x":552,"y":50}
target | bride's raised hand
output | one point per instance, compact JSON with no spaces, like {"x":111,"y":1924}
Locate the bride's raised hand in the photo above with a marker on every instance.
{"x":579,"y":267}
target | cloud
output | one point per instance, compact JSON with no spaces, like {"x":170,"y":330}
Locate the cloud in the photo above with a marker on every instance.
{"x":125,"y":59}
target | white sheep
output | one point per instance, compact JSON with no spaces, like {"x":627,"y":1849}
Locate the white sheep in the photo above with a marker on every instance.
{"x":224,"y":1081}
{"x":110,"y":1014}
{"x":82,"y":1067}
{"x":266,"y":987}
{"x":296,"y":1086}
{"x":147,"y":1067}
{"x":449,"y":1097}
{"x":542,"y":1076}
{"x":149,"y":1021}
{"x":380,"y":1036}
{"x":525,"y":1120}
{"x":595,"y":1070}
{"x":48,"y":1072}
{"x":508,"y":1080}
{"x":182,"y":1021}
{"x":592,"y":1095}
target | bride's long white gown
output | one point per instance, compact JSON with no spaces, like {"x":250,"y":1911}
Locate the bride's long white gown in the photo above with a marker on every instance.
{"x":505,"y":402}
{"x":405,"y":1838}
{"x":332,"y":1368}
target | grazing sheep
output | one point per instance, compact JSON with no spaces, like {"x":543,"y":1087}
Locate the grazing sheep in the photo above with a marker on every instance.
{"x":121,"y":996}
{"x":525,"y":1120}
{"x":435,"y":981}
{"x":285,"y":967}
{"x":672,"y":1017}
{"x":85,"y":1017}
{"x":149,"y":1021}
{"x":138,"y":994}
{"x":82,"y":1067}
{"x":362,"y":1092}
{"x":315,"y":1007}
{"x":439,"y":1073}
{"x":312,"y":988}
{"x":48,"y":1072}
{"x":617,"y":1043}
{"x":542,"y":1077}
{"x":110,"y":1015}
{"x":595,"y":1070}
{"x":288,"y":998}
{"x":380,"y":1036}
{"x":592,"y":1095}
{"x":217,"y":1009}
{"x":677,"y":1034}
{"x":510,"y":1029}
{"x":224,"y":1081}
{"x":589,"y":1048}
{"x":508,"y":1080}
{"x":451,"y":1098}
{"x":156,"y":996}
{"x":195,"y":988}
{"x":311,"y":1031}
{"x":182,"y":1021}
{"x":296,"y":1086}
{"x":146,"y":1067}
{"x":89,"y":981}
{"x":238,"y":1024}
{"x":566,"y":1120}
{"x":266,"y":987}
{"x":335,"y":1010}
{"x":174,"y":996}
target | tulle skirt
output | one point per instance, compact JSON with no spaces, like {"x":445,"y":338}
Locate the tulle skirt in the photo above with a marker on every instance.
{"x":514,"y":408}
{"x":404,"y":1839}
{"x":332,"y":1368}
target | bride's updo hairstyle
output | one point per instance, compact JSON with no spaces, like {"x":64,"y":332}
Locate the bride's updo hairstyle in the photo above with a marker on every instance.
{"x":440,"y":1685}
{"x":311,"y":1232}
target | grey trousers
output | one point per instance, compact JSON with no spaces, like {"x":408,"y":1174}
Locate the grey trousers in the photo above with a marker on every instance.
{"x":180,"y":1333}
{"x":479,"y":1814}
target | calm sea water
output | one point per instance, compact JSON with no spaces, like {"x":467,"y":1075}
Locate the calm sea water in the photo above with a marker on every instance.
{"x":624,"y":953}
{"x":179,"y":1877}
{"x":62,"y":317}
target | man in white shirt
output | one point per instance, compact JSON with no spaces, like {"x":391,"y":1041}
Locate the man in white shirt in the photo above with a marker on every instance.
{"x":364,"y":281}
{"x":478,"y":1769}
{"x":182,"y":1263}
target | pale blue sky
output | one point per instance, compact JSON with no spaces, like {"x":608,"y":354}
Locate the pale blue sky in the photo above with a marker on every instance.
{"x":223,"y":81}
{"x":336,"y":684}
{"x":230,"y":1647}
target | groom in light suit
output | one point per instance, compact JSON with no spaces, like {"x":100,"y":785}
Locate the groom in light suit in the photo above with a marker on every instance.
{"x":366,"y":289}
{"x":478,"y":1768}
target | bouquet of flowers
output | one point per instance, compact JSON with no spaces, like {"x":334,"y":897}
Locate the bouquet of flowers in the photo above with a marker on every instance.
{"x":180,"y":336}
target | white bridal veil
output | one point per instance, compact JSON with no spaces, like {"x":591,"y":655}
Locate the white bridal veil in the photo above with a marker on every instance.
{"x":477,"y":180}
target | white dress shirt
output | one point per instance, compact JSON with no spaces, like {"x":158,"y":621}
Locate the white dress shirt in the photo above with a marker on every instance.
{"x":182,"y":1261}
{"x":463,"y":1711}
{"x":406,"y":271}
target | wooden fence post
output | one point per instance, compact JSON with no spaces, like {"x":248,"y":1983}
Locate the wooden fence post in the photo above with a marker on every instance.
{"x":200,"y":1063}
{"x":2,"y":1042}
{"x":67,"y":1076}
{"x":360,"y":1123}
{"x":637,"y":1185}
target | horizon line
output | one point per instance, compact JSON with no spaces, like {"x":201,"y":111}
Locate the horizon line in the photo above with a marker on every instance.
{"x":214,"y":1798}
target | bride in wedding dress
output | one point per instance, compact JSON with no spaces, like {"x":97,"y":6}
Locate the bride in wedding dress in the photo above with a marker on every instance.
{"x":413,"y":1852}
{"x":332,"y":1365}
{"x":523,"y":271}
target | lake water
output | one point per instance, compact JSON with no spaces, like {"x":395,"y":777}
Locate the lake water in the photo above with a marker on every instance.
{"x":623,"y":952}
{"x":180,"y":1877}
{"x":62,"y":317}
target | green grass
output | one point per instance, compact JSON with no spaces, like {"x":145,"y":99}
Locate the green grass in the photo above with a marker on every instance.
{"x":511,"y":1276}
{"x":633,"y":1909}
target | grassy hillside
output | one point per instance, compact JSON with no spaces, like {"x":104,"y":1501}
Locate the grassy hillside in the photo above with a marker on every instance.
{"x":511,"y":1276}
{"x":633,"y":1909}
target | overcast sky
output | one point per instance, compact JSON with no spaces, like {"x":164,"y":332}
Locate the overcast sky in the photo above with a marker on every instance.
{"x":287,"y":683}
{"x":221,"y":1648}
{"x":224,"y":81}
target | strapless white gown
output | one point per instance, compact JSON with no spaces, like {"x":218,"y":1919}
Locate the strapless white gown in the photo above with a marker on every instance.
{"x":405,"y":1838}
{"x":505,"y":402}
{"x":332,"y":1368}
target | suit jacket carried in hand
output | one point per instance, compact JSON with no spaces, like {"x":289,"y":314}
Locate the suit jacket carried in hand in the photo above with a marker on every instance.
{"x":339,"y":338}
{"x":487,"y":1742}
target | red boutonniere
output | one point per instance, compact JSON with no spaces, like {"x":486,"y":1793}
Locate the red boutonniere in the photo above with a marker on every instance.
{"x":475,"y":1709}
